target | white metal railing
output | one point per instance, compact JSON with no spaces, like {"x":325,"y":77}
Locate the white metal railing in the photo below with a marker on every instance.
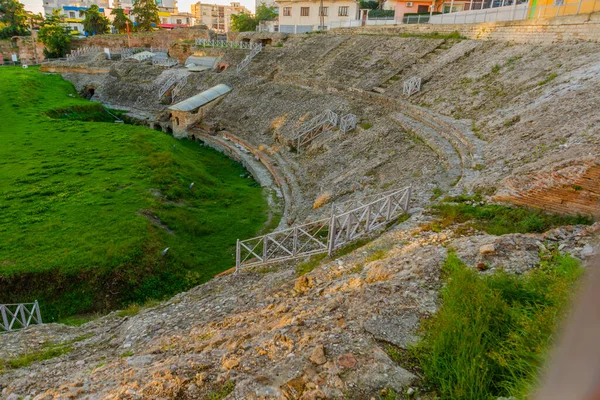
{"x":253,"y":53}
{"x":347,"y":123}
{"x":178,"y":88}
{"x":492,"y":14}
{"x":225,"y":44}
{"x":411,"y":86}
{"x":19,"y":316}
{"x":178,"y":80}
{"x":324,"y":236}
{"x":83,"y":50}
{"x":319,"y":124}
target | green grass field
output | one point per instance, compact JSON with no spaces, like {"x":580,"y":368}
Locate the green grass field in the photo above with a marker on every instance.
{"x":86,"y":208}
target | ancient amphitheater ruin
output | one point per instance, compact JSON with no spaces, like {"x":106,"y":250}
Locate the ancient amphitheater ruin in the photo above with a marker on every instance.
{"x":513,"y":117}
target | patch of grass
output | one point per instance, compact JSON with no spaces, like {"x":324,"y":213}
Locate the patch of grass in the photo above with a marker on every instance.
{"x":496,"y":69}
{"x":307,"y":266}
{"x":135,"y":308}
{"x":316,"y":260}
{"x":437,"y":193}
{"x":435,"y":35}
{"x":377,"y":255}
{"x":366,"y":125}
{"x":548,"y":79}
{"x":78,"y":320}
{"x":498,"y":219}
{"x":512,"y":121}
{"x":577,"y":188}
{"x":225,"y":390}
{"x":128,"y":353}
{"x":87,"y":207}
{"x":47,"y":352}
{"x":388,"y":394}
{"x":492,"y":332}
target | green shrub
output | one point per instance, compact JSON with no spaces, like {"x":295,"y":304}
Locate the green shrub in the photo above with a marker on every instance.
{"x":498,"y":219}
{"x":492,"y":332}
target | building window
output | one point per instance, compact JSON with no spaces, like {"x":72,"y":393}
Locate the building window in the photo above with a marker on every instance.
{"x":287,"y":11}
{"x":304,"y":11}
{"x":164,"y":20}
{"x":343,"y":11}
{"x":71,"y":14}
{"x":178,"y":22}
{"x":324,"y":11}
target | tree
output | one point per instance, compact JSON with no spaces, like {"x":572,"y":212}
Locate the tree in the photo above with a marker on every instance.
{"x":243,"y":23}
{"x":265,"y":13}
{"x":95,"y":23}
{"x":146,"y":13}
{"x":13,"y":19}
{"x":121,"y":20}
{"x":55,"y":36}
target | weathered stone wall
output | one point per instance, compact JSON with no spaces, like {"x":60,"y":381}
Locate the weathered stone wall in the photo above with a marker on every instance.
{"x":160,"y":39}
{"x":562,"y":29}
{"x":28,"y":51}
{"x":570,"y":189}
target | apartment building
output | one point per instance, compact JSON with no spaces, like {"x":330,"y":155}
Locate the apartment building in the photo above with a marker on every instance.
{"x":217,"y":16}
{"x":301,"y":16}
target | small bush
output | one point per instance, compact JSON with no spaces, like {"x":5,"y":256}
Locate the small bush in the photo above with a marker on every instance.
{"x":492,"y":332}
{"x":498,"y":219}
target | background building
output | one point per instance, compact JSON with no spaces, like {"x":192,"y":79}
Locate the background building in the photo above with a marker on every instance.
{"x":216,"y":16}
{"x":301,"y":16}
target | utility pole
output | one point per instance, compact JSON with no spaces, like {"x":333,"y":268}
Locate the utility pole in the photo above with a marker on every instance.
{"x":322,"y":17}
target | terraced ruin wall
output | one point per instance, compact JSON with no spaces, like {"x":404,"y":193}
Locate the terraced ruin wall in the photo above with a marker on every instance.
{"x":572,"y":189}
{"x":562,"y":29}
{"x":160,"y":39}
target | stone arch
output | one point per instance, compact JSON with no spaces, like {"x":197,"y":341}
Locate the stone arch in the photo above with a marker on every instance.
{"x":88,"y":92}
{"x":266,"y":42}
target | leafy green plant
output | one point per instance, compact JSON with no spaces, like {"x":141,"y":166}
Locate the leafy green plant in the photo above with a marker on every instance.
{"x":492,"y":332}
{"x":498,"y":219}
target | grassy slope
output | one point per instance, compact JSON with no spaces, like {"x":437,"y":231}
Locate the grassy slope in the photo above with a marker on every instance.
{"x":73,"y":195}
{"x":492,"y":332}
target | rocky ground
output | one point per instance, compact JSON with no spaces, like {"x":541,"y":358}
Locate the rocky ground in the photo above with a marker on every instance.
{"x":487,"y":112}
{"x":268,"y":333}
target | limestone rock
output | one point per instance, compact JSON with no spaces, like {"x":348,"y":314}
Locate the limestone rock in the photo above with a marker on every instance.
{"x":318,"y":355}
{"x":347,"y":360}
{"x":487,"y":249}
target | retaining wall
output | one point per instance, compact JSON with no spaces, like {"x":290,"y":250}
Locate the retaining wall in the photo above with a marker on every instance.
{"x":568,"y":28}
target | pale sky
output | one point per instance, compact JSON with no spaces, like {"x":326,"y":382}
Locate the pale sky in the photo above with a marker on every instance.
{"x":183,"y":5}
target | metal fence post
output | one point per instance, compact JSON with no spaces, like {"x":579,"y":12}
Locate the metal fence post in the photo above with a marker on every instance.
{"x":38,"y":312}
{"x":265,"y":254}
{"x":238,"y":254}
{"x":579,"y":7}
{"x":332,"y":227}
{"x":295,"y":239}
{"x":24,"y":323}
{"x":368,"y":218}
{"x":4,"y":317}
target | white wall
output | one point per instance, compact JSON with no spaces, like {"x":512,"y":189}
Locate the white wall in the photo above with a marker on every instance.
{"x":506,"y":13}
